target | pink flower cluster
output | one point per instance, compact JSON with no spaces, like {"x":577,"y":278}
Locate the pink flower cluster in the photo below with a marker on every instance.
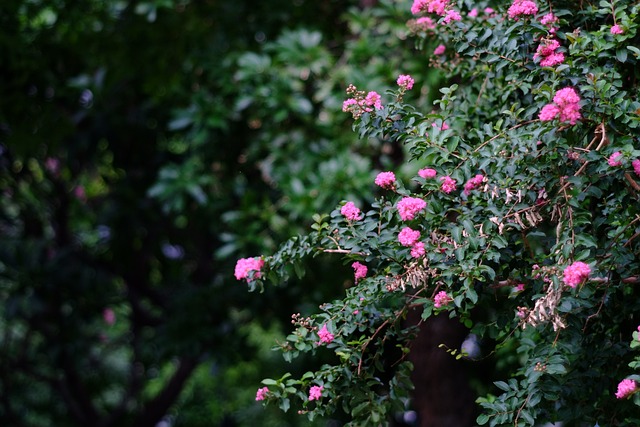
{"x":441,"y":299}
{"x":616,"y":29}
{"x":408,"y":207}
{"x":418,"y":250}
{"x":315,"y":392}
{"x":451,"y":15}
{"x":360,"y":270}
{"x":426,"y":23}
{"x":427,"y":173}
{"x":566,"y":106}
{"x":473,"y":183}
{"x":576,"y":273}
{"x":448,"y":184}
{"x":439,"y":50}
{"x":261,"y":394}
{"x":325,"y":336}
{"x":431,"y":6}
{"x":360,"y":103}
{"x":547,"y":53}
{"x":549,"y":19}
{"x":615,"y":159}
{"x":405,"y":81}
{"x":522,"y":8}
{"x":386,"y":180}
{"x":409,"y":237}
{"x":373,"y":99}
{"x":626,"y":388}
{"x":245,"y":266}
{"x":636,"y":166}
{"x":350,"y":211}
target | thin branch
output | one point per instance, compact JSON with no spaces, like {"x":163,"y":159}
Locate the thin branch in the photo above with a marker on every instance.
{"x":364,"y":346}
{"x":503,"y":133}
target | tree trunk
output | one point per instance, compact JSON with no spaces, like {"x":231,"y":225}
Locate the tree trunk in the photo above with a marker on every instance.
{"x":442,"y":396}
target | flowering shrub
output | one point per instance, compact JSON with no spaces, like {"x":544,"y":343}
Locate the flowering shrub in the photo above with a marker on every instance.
{"x":538,"y":253}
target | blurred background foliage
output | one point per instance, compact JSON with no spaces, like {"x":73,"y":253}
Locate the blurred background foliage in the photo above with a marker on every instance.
{"x":147,"y":145}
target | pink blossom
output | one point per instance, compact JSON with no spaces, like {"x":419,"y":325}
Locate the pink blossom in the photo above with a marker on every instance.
{"x":636,"y":166}
{"x":439,"y":50}
{"x":80,"y":193}
{"x":489,"y":11}
{"x":448,"y":184}
{"x":521,"y":313}
{"x":350,"y":211}
{"x":547,"y":52}
{"x":431,"y":6}
{"x":576,"y":273}
{"x":549,"y":112}
{"x":444,"y":126}
{"x":325,"y":336}
{"x":615,"y":159}
{"x":405,"y":81}
{"x":52,"y":165}
{"x":428,"y":173}
{"x":552,"y":60}
{"x":546,"y":48}
{"x":373,"y":99}
{"x":315,"y":392}
{"x":109,"y":316}
{"x":408,"y":236}
{"x":245,"y":266}
{"x":566,"y":105}
{"x":360,"y":270}
{"x":519,"y":287}
{"x":451,"y":15}
{"x":626,"y":388}
{"x":570,"y":113}
{"x":426,"y":22}
{"x":473,"y":13}
{"x":356,"y":311}
{"x":441,"y":299}
{"x":566,"y":96}
{"x":521,"y":8}
{"x":473,"y":183}
{"x":616,"y":29}
{"x":418,"y":6}
{"x":386,"y":180}
{"x":261,"y":394}
{"x":417,"y":250}
{"x":408,"y":207}
{"x":437,"y":6}
{"x":548,"y":19}
{"x":348,"y":103}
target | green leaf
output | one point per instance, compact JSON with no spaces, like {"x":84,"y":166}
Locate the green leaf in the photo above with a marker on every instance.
{"x":359,"y":408}
{"x":482,"y":419}
{"x":502,"y":385}
{"x":621,"y":55}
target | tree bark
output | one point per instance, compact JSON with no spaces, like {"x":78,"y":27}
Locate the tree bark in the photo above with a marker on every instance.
{"x":442,"y":395}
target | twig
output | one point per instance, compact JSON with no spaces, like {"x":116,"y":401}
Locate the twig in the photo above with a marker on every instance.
{"x":502,"y":133}
{"x":364,"y":346}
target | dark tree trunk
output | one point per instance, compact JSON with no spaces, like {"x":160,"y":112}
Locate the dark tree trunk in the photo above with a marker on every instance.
{"x":442,"y":395}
